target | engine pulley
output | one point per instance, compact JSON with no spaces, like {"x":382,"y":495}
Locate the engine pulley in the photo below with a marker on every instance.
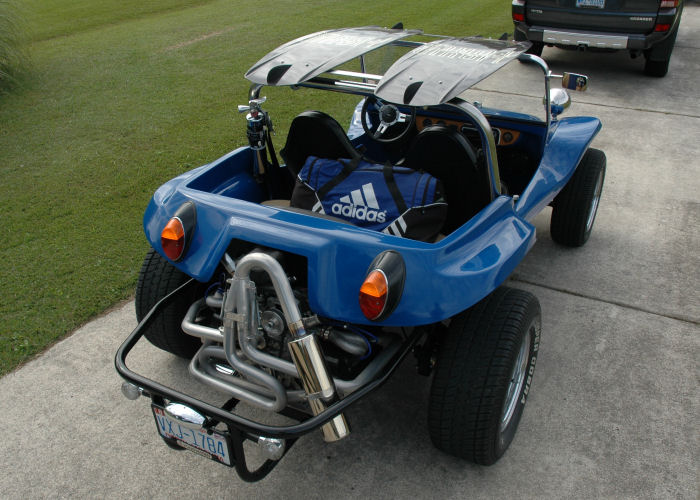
{"x":273,"y":322}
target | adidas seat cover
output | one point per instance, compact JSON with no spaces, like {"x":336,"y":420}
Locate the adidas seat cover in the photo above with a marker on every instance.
{"x":394,"y":200}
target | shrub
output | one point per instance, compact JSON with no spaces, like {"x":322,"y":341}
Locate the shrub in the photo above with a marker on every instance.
{"x":12,"y":55}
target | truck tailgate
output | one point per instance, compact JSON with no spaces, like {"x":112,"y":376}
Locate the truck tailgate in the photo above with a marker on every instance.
{"x":628,"y":16}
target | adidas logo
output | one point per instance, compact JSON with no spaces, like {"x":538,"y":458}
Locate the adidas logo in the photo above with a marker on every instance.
{"x":360,"y":204}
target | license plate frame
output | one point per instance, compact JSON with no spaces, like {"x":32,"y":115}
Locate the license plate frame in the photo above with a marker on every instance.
{"x":590,"y":4}
{"x":210,"y":443}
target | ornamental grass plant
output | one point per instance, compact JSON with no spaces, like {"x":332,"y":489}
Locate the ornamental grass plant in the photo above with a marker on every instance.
{"x":13,"y":59}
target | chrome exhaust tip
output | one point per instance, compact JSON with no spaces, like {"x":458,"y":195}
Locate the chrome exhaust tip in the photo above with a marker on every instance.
{"x":319,"y":387}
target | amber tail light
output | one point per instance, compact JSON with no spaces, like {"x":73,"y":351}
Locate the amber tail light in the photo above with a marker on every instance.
{"x":176,"y":236}
{"x":382,"y":288}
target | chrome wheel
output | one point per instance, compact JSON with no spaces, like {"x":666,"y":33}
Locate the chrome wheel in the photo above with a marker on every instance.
{"x":594,"y":202}
{"x":517,"y":381}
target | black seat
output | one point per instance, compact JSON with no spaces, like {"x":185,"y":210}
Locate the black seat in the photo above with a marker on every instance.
{"x":447,"y":155}
{"x":314,"y":133}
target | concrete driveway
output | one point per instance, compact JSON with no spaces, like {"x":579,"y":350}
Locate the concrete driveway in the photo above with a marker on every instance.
{"x":614,"y":407}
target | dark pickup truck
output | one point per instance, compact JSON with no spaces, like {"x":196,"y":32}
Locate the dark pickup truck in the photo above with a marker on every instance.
{"x":647,"y":27}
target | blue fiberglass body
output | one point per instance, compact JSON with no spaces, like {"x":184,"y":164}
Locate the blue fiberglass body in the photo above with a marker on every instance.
{"x":442,"y":278}
{"x":279,"y":298}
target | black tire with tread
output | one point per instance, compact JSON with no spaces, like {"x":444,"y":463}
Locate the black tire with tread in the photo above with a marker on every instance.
{"x":157,"y":279}
{"x":657,"y":68}
{"x":658,"y":57}
{"x":474,"y":365}
{"x":572,"y":206}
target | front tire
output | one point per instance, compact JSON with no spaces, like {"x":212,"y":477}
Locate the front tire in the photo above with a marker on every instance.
{"x":575,"y":207}
{"x":156,"y":280}
{"x":483,"y":376}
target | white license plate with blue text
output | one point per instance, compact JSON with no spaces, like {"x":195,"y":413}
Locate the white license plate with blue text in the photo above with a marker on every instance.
{"x":596,"y":4}
{"x":201,"y":441}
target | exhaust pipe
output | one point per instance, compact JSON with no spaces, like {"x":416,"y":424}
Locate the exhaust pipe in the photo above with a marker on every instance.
{"x":318,"y":386}
{"x":304,"y":349}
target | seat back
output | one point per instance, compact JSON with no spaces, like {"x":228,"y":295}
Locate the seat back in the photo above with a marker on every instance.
{"x":446,"y":154}
{"x":314,"y":133}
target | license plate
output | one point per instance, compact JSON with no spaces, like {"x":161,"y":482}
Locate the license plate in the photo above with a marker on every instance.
{"x":596,"y":4}
{"x":201,"y":441}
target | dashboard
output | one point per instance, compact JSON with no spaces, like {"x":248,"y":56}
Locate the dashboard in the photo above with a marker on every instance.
{"x":503,"y":136}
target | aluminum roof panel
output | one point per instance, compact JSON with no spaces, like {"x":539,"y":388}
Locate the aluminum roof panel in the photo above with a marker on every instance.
{"x":309,"y":56}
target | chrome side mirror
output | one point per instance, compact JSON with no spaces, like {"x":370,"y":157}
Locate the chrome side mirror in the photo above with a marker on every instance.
{"x":559,"y":100}
{"x":574,"y":81}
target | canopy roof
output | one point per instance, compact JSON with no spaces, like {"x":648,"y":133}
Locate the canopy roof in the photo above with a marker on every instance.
{"x":430,"y":74}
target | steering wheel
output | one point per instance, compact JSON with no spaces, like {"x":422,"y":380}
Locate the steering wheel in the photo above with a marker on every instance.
{"x":389,"y":116}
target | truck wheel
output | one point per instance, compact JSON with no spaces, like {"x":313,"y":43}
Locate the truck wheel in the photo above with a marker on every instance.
{"x":657,"y":68}
{"x":156,"y":280}
{"x":483,"y":375}
{"x":575,"y":207}
{"x":659,"y":56}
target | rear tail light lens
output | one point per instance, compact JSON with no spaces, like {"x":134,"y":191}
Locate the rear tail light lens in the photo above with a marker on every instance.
{"x":662,"y":27}
{"x":177,"y":234}
{"x":381,"y":291}
{"x":668,"y":4}
{"x":518,"y":10}
{"x":373,"y":294}
{"x":172,"y":239}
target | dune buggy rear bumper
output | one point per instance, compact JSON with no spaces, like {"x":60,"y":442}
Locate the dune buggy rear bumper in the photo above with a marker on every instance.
{"x":238,"y":429}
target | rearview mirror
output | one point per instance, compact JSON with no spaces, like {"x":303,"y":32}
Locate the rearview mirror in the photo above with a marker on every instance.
{"x":574,"y":81}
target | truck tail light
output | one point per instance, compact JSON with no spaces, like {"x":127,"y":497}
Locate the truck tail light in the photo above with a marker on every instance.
{"x":518,"y":10}
{"x":382,"y":288}
{"x":668,"y":4}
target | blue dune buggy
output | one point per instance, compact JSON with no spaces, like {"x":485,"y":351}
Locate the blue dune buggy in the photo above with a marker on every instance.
{"x":300,"y":308}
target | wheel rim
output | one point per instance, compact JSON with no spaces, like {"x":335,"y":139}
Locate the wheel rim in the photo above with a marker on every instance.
{"x":517,"y":380}
{"x":595,"y":201}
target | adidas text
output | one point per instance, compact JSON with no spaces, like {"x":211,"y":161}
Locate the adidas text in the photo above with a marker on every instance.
{"x":360,"y":213}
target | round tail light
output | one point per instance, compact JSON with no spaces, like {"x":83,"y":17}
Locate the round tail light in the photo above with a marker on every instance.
{"x":373,"y":294}
{"x":382,"y":288}
{"x":172,"y":239}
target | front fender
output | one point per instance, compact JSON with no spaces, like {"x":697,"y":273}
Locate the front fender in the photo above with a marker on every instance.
{"x":566,"y":143}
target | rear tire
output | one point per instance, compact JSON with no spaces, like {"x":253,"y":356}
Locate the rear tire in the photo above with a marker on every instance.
{"x":657,"y":68}
{"x":483,"y":376}
{"x":575,"y":207}
{"x":156,"y":280}
{"x":659,"y":56}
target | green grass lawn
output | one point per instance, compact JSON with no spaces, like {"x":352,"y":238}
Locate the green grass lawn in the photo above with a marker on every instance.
{"x":124,"y":95}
